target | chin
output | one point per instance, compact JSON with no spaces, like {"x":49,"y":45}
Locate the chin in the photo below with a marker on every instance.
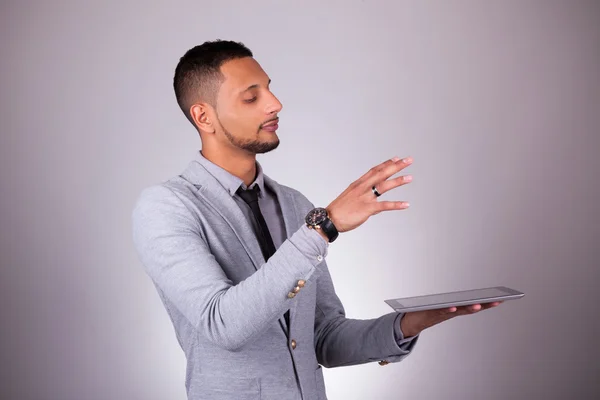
{"x":265,"y":147}
{"x":271,"y":146}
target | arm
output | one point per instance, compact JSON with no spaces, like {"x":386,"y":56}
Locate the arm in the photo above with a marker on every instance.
{"x":168,"y":240}
{"x":341,"y":341}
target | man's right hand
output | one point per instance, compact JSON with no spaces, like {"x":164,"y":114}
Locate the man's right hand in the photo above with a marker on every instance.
{"x":358,"y":202}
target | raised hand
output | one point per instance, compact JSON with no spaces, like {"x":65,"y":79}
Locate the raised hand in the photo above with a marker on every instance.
{"x":359,"y":201}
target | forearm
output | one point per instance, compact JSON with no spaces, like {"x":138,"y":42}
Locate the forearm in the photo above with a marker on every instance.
{"x":343,"y":341}
{"x":236,"y":314}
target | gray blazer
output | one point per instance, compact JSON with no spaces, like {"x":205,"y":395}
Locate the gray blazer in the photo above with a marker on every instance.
{"x":227,"y":304}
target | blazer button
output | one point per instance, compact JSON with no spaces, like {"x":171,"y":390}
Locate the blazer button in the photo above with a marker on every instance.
{"x":293,"y":344}
{"x":301,"y":282}
{"x":296,"y":289}
{"x":383,"y":362}
{"x":291,"y":295}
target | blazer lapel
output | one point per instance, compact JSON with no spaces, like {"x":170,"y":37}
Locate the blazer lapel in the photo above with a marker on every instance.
{"x":288,"y":207}
{"x":290,"y":218}
{"x":222,"y":202}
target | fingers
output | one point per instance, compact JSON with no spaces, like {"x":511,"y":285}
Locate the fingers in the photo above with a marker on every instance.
{"x":390,"y":184}
{"x":383,"y":171}
{"x":472,"y":309}
{"x":491,"y":305}
{"x":436,"y":316}
{"x":377,"y":168}
{"x":389,"y":206}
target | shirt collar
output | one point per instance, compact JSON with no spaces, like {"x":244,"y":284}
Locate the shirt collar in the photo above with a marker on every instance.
{"x":229,"y":181}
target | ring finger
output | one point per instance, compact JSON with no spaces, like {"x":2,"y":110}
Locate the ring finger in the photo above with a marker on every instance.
{"x":390,"y":184}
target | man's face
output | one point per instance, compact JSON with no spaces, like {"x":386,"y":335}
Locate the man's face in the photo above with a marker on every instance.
{"x":246,"y":108}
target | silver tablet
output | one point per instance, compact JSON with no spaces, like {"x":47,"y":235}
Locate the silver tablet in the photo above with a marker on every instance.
{"x":452,"y":299}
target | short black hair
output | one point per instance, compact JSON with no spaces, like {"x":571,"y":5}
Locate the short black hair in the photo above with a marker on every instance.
{"x":198,"y":74}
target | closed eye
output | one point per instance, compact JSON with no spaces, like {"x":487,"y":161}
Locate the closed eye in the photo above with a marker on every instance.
{"x":252,"y":100}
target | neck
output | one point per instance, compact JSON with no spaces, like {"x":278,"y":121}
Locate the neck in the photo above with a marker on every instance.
{"x":240,"y":164}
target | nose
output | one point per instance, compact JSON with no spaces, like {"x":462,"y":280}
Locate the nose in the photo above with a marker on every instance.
{"x":273,"y":105}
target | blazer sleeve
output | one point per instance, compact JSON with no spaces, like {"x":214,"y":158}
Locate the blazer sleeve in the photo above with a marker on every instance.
{"x":168,"y":240}
{"x":340,"y":341}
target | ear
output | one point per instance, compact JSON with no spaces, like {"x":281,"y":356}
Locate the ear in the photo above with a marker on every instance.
{"x":201,"y":114}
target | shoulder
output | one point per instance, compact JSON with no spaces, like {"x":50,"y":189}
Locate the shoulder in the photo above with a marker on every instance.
{"x":167,"y":191}
{"x":167,"y":199}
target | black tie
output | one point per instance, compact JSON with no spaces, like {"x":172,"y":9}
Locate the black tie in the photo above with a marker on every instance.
{"x":267,"y":247}
{"x":250,"y":196}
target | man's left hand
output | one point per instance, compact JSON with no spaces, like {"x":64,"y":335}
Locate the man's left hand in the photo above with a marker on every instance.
{"x":413,"y":323}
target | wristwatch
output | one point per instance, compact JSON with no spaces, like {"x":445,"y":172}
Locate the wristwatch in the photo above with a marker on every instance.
{"x":318,"y":218}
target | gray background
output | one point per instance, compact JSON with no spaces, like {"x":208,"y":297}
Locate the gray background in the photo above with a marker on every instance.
{"x":497,"y":101}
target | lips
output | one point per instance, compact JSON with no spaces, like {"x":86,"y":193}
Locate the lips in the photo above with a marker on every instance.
{"x":271,"y":126}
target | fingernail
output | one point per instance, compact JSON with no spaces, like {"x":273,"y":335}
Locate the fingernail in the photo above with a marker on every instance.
{"x":408,"y":178}
{"x":408,"y":160}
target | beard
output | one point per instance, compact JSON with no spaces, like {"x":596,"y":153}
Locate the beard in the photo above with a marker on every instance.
{"x":254,"y":146}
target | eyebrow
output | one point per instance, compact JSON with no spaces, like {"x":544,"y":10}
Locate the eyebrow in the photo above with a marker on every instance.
{"x":256,"y":85}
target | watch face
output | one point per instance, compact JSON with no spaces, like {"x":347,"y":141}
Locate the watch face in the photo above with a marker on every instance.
{"x":316,"y":216}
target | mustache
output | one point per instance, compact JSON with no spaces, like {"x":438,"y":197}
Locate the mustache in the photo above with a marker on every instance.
{"x":271,"y":120}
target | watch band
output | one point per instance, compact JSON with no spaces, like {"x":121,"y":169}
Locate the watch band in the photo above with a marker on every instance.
{"x":330,"y":230}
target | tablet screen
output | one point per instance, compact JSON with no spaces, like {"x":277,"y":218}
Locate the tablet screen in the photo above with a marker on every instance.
{"x":450,"y":297}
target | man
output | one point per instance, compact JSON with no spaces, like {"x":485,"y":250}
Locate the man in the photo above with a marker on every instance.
{"x":239,"y":259}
